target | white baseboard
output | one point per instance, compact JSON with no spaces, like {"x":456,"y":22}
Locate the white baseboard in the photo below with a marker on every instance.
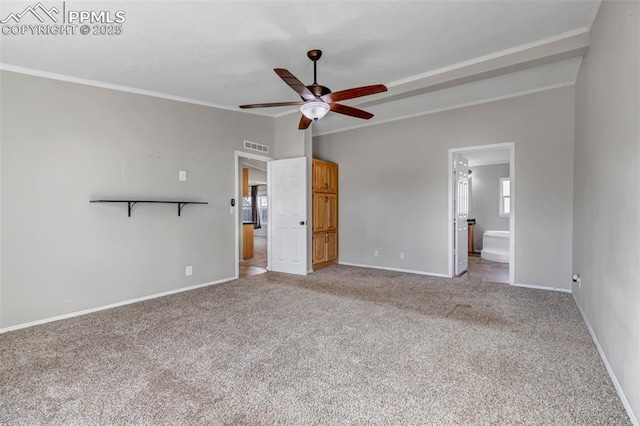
{"x":408,"y":271}
{"x":616,"y":384}
{"x":112,"y":305}
{"x":539,"y":287}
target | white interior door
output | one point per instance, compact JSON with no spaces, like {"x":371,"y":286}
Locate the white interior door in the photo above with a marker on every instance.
{"x":461,"y":212}
{"x":287,"y":183}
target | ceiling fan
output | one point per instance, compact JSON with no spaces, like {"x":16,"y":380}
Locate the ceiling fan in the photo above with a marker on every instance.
{"x":318,"y":100}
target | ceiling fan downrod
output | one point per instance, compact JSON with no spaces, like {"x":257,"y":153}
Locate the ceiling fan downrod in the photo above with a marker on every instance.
{"x":314,"y":55}
{"x":317,"y":89}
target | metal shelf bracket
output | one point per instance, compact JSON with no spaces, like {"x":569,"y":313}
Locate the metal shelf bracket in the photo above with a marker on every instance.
{"x":131,"y":203}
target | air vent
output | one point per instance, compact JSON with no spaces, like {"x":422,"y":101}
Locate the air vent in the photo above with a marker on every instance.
{"x":256,"y":146}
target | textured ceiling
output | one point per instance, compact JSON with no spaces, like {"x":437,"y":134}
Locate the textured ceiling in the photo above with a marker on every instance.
{"x":223,"y":53}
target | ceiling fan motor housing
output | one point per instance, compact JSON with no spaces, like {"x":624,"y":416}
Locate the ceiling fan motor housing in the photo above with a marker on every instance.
{"x":318,"y":90}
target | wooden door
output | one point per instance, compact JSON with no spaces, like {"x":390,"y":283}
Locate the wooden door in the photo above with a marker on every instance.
{"x":325,"y":213}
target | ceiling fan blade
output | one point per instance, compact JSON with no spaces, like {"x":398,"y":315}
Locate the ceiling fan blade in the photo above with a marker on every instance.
{"x":356,"y":92}
{"x":272,"y":104}
{"x":295,"y":84}
{"x":347,"y":110}
{"x":304,"y":122}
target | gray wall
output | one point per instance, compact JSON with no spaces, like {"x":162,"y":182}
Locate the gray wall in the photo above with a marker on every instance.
{"x":485,"y":199}
{"x":606,"y":233}
{"x":393,"y":184}
{"x":64,"y":144}
{"x":290,"y":140}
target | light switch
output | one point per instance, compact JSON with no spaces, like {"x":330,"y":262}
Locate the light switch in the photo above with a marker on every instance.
{"x":182,"y":175}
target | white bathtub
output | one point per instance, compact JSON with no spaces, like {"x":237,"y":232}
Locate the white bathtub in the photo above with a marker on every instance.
{"x":495,"y":246}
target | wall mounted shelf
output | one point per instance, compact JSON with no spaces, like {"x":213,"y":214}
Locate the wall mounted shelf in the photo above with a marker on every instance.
{"x":131,"y":203}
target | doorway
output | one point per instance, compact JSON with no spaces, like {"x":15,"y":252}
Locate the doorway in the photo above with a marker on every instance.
{"x":481,"y":212}
{"x":251,"y":214}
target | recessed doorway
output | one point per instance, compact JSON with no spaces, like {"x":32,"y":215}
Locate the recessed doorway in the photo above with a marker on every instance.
{"x":481,"y":212}
{"x":252,"y":214}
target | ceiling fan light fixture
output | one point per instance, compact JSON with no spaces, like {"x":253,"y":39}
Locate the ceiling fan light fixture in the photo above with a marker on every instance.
{"x":314,"y":110}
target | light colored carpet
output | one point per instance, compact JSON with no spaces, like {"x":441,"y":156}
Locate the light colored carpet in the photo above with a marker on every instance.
{"x":342,"y":346}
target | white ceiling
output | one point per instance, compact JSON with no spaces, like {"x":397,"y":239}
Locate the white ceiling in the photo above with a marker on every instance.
{"x":432,"y":55}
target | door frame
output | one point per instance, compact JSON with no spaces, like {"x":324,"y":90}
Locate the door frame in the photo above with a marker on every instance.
{"x":237,"y":207}
{"x":511,"y":146}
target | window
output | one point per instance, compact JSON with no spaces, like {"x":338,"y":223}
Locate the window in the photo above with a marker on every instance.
{"x":246,"y":209}
{"x":262,"y":209}
{"x":505,"y":196}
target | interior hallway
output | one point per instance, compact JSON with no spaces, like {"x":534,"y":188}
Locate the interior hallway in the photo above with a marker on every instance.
{"x":258,"y":263}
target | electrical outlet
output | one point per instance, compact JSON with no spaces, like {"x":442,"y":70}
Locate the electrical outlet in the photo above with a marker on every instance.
{"x":182,"y":175}
{"x":375,"y":253}
{"x":188,"y":271}
{"x":401,"y":256}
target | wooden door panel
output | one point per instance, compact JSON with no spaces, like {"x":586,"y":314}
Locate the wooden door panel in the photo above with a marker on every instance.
{"x":319,"y":213}
{"x":332,"y":246}
{"x":319,"y":176}
{"x":331,"y":212}
{"x":319,"y":249}
{"x":331,"y":178}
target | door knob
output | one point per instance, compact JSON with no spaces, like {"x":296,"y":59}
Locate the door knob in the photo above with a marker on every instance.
{"x":302,"y":222}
